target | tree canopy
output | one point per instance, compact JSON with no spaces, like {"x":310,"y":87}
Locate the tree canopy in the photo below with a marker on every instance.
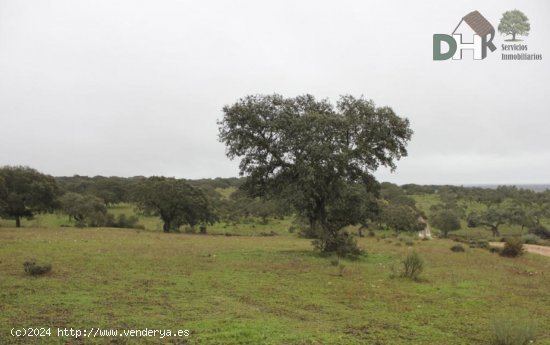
{"x":446,"y":220}
{"x":175,"y":201}
{"x":514,"y":23}
{"x":313,"y":151}
{"x":24,"y":192}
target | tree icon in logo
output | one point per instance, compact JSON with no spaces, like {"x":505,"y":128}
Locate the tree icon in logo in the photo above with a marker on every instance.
{"x":514,"y":23}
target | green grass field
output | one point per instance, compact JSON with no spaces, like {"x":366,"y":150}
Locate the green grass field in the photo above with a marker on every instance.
{"x":260,"y":290}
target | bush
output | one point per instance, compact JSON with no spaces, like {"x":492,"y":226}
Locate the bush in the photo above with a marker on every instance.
{"x":513,"y":331}
{"x":457,"y":248}
{"x":540,"y":231}
{"x":343,"y":245}
{"x":33,"y":269}
{"x":531,"y":239}
{"x":413,"y":265}
{"x":513,"y":247}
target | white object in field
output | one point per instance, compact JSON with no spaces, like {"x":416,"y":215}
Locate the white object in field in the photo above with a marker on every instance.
{"x":426,"y":233}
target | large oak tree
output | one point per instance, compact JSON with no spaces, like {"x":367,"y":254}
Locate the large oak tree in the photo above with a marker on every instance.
{"x":315,"y":153}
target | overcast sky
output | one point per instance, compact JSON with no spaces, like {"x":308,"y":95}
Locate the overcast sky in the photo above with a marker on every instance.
{"x":115,"y":87}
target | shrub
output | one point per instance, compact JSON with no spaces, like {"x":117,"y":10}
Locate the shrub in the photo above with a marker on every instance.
{"x":513,"y":331}
{"x":335,"y":261}
{"x":513,"y":247}
{"x":413,"y":265}
{"x":33,"y":269}
{"x":457,"y":248}
{"x":531,"y":239}
{"x":343,"y":245}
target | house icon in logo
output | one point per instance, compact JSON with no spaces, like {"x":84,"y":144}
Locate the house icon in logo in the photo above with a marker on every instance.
{"x":473,"y":32}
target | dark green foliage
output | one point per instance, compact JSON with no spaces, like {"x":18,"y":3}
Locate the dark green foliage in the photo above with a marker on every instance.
{"x":241,"y":204}
{"x":24,"y":192}
{"x":318,"y":156}
{"x":175,"y":201}
{"x":445,"y":220}
{"x":540,"y":231}
{"x":457,"y":248}
{"x":402,"y":218}
{"x":413,"y":265}
{"x":111,"y":190}
{"x":33,"y":269}
{"x":513,"y":247}
{"x":393,"y":194}
{"x":343,"y":245}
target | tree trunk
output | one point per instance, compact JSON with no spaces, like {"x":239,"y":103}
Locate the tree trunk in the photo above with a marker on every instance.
{"x":17,"y":222}
{"x":166,"y":227}
{"x":513,"y":37}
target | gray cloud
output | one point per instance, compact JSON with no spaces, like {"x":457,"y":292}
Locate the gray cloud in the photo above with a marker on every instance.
{"x":135,"y":87}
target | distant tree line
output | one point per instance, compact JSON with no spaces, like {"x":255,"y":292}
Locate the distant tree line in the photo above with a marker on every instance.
{"x":25,"y":192}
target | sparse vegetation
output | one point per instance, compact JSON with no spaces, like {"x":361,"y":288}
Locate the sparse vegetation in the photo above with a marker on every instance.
{"x":511,"y":330}
{"x":413,"y":265}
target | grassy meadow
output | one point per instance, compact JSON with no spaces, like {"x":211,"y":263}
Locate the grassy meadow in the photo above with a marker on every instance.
{"x":253,"y":283}
{"x":261,"y":290}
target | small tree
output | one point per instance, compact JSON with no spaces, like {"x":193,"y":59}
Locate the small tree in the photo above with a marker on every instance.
{"x":86,"y":210}
{"x":445,"y":220}
{"x":24,"y":192}
{"x":492,"y":218}
{"x":514,"y":23}
{"x":174,"y":201}
{"x":402,"y":218}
